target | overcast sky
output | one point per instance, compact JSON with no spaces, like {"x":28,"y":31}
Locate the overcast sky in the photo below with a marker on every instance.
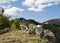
{"x":39,"y":10}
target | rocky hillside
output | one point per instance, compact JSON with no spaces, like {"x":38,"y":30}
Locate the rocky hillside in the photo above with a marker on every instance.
{"x":21,"y":30}
{"x":19,"y":36}
{"x":54,"y":26}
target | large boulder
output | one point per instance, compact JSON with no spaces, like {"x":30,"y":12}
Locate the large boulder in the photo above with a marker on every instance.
{"x":23,"y":27}
{"x":27,"y":31}
{"x":49,"y":33}
{"x":30,"y":31}
{"x":38,"y":29}
{"x":50,"y":36}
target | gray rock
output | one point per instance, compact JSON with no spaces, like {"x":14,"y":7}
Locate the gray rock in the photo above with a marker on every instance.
{"x":23,"y":27}
{"x":38,"y":29}
{"x":27,"y":31}
{"x":48,"y":33}
{"x":50,"y":36}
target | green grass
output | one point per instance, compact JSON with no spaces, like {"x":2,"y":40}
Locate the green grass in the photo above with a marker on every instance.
{"x":18,"y":36}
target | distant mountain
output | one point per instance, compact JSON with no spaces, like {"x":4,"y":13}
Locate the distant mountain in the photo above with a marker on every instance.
{"x":29,"y":20}
{"x":53,"y":22}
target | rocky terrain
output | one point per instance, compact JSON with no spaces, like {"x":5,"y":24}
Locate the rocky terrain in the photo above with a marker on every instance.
{"x":19,"y":36}
{"x":20,"y":30}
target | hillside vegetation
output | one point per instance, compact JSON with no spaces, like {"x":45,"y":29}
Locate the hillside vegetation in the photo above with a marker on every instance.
{"x":54,"y":26}
{"x":11,"y":32}
{"x":18,"y":36}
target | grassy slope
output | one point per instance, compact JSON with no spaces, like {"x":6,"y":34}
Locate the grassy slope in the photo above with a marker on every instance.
{"x":18,"y":36}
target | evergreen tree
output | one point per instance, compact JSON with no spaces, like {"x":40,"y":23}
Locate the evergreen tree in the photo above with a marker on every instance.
{"x":4,"y":21}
